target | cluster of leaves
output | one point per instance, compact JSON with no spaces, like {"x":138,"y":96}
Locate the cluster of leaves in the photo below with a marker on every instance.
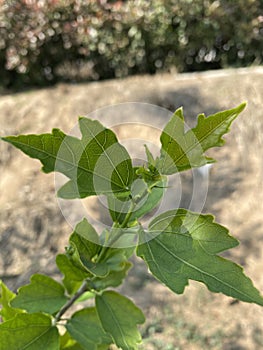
{"x":178,"y":245}
{"x":43,"y":42}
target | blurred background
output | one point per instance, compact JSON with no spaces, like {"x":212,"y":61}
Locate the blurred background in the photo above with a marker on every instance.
{"x":59,"y":60}
{"x":46,"y":41}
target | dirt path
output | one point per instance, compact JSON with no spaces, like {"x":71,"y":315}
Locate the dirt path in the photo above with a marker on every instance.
{"x":32,"y":228}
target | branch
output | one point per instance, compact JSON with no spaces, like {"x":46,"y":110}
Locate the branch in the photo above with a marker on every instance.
{"x":82,"y":289}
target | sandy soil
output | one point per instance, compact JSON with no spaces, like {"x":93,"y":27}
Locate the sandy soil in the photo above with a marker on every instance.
{"x":33,"y":229}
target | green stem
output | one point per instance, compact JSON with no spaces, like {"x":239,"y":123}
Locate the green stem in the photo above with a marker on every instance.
{"x":128,"y":215}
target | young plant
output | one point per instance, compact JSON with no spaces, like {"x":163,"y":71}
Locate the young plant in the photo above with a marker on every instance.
{"x":178,"y":245}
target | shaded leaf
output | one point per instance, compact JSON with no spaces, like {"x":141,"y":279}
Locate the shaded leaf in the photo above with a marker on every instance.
{"x":119,"y":317}
{"x":85,"y":327}
{"x":150,"y":198}
{"x":95,"y":164}
{"x":181,"y":245}
{"x":183,"y":150}
{"x":83,"y":260}
{"x":43,"y":294}
{"x":7,"y":312}
{"x":84,"y":253}
{"x":86,"y":240}
{"x":73,"y":275}
{"x":30,"y":332}
{"x":115,"y":260}
{"x":113,"y":279}
{"x":154,"y":197}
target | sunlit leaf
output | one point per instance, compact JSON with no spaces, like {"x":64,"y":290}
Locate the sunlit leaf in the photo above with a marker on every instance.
{"x":30,"y":332}
{"x":95,"y":164}
{"x":182,"y":150}
{"x":181,"y":245}
{"x":6,"y":295}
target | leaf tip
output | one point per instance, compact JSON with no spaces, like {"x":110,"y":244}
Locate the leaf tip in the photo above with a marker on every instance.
{"x":7,"y":138}
{"x":243,"y":105}
{"x":81,"y":117}
{"x":179,"y":112}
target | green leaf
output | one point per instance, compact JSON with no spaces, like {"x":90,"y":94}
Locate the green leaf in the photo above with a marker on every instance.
{"x":73,"y":275}
{"x":103,"y":347}
{"x":115,"y":260}
{"x":44,"y":147}
{"x":149,"y":200}
{"x":86,"y":239}
{"x":84,"y":243}
{"x":68,"y":343}
{"x":183,"y":150}
{"x":84,"y":252}
{"x":154,"y":197}
{"x":113,"y":279}
{"x":7,"y":312}
{"x":30,"y":332}
{"x":95,"y":164}
{"x":181,"y":245}
{"x":43,"y":294}
{"x":85,"y":327}
{"x":119,"y":317}
{"x":150,"y":158}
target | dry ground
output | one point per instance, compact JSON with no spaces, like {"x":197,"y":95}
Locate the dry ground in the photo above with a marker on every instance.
{"x":33,"y":230}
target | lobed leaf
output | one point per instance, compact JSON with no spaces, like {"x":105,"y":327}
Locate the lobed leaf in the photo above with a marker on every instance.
{"x":181,"y":245}
{"x":85,"y":327}
{"x":30,"y":332}
{"x":95,"y":164}
{"x":44,"y":147}
{"x":82,"y":258}
{"x":183,"y":150}
{"x":119,"y":317}
{"x":43,"y":294}
{"x":7,"y":311}
{"x":73,"y":275}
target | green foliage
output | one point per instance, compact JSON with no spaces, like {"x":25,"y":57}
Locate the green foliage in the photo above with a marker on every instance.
{"x":29,"y":331}
{"x":189,"y":242}
{"x":85,"y":326}
{"x":43,"y":294}
{"x":95,"y":164}
{"x":184,"y":150}
{"x":119,"y":317}
{"x":178,"y":245}
{"x":42,"y":43}
{"x":6,"y":296}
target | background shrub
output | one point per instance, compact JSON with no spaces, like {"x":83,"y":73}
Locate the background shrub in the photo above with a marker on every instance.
{"x":44,"y":41}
